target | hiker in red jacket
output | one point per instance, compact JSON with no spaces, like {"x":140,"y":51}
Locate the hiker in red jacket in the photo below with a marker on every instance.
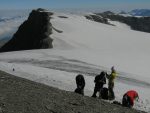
{"x":129,"y":97}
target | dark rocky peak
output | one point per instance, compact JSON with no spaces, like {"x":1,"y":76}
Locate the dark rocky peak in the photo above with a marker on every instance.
{"x":108,"y":13}
{"x":105,"y":14}
{"x":122,"y":12}
{"x":34,"y":33}
{"x":41,"y":9}
{"x":97,"y":18}
{"x":100,"y":17}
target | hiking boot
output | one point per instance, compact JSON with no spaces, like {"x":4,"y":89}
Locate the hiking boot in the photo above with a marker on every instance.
{"x":94,"y":96}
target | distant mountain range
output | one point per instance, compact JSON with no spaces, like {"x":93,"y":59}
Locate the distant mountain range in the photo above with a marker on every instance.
{"x":140,"y":12}
{"x":136,"y":23}
{"x":4,"y":19}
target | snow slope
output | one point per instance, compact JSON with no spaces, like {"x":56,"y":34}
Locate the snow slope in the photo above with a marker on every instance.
{"x":87,"y":47}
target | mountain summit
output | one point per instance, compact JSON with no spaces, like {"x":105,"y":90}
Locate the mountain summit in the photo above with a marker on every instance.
{"x":33,"y":33}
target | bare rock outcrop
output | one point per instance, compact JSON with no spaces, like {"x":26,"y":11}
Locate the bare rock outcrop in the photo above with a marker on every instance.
{"x":34,"y":33}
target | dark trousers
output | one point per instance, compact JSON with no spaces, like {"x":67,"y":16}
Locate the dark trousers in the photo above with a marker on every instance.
{"x":126,"y":102}
{"x":97,"y":88}
{"x":111,"y":91}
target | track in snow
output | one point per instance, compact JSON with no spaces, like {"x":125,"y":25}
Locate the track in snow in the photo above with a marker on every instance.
{"x":76,"y":66}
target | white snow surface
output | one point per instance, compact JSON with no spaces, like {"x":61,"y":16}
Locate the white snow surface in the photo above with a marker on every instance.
{"x":84,"y":46}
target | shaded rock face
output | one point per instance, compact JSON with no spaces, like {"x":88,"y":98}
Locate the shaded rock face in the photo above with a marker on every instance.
{"x":32,"y":34}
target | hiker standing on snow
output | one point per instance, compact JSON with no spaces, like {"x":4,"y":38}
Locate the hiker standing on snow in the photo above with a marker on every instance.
{"x":129,"y":97}
{"x":111,"y":79}
{"x":100,"y":80}
{"x":80,"y":84}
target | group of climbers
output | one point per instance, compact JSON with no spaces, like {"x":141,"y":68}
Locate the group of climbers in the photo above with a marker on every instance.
{"x":106,"y":93}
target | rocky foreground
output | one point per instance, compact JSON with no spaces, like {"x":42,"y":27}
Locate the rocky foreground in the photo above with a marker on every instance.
{"x":18,"y":95}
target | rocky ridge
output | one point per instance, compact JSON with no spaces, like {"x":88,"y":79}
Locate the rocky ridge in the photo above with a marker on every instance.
{"x":136,"y":23}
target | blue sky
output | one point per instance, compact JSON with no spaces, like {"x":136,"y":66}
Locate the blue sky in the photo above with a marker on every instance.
{"x":85,"y":4}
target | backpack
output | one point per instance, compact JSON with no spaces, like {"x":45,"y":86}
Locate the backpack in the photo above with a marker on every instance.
{"x":79,"y":91}
{"x":104,"y":93}
{"x":80,"y":81}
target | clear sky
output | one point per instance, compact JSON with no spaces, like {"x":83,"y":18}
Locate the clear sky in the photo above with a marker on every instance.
{"x":85,"y":4}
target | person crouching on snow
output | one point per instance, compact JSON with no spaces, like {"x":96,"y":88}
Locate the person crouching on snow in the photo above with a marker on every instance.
{"x":100,"y":80}
{"x":80,"y":84}
{"x":129,"y":97}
